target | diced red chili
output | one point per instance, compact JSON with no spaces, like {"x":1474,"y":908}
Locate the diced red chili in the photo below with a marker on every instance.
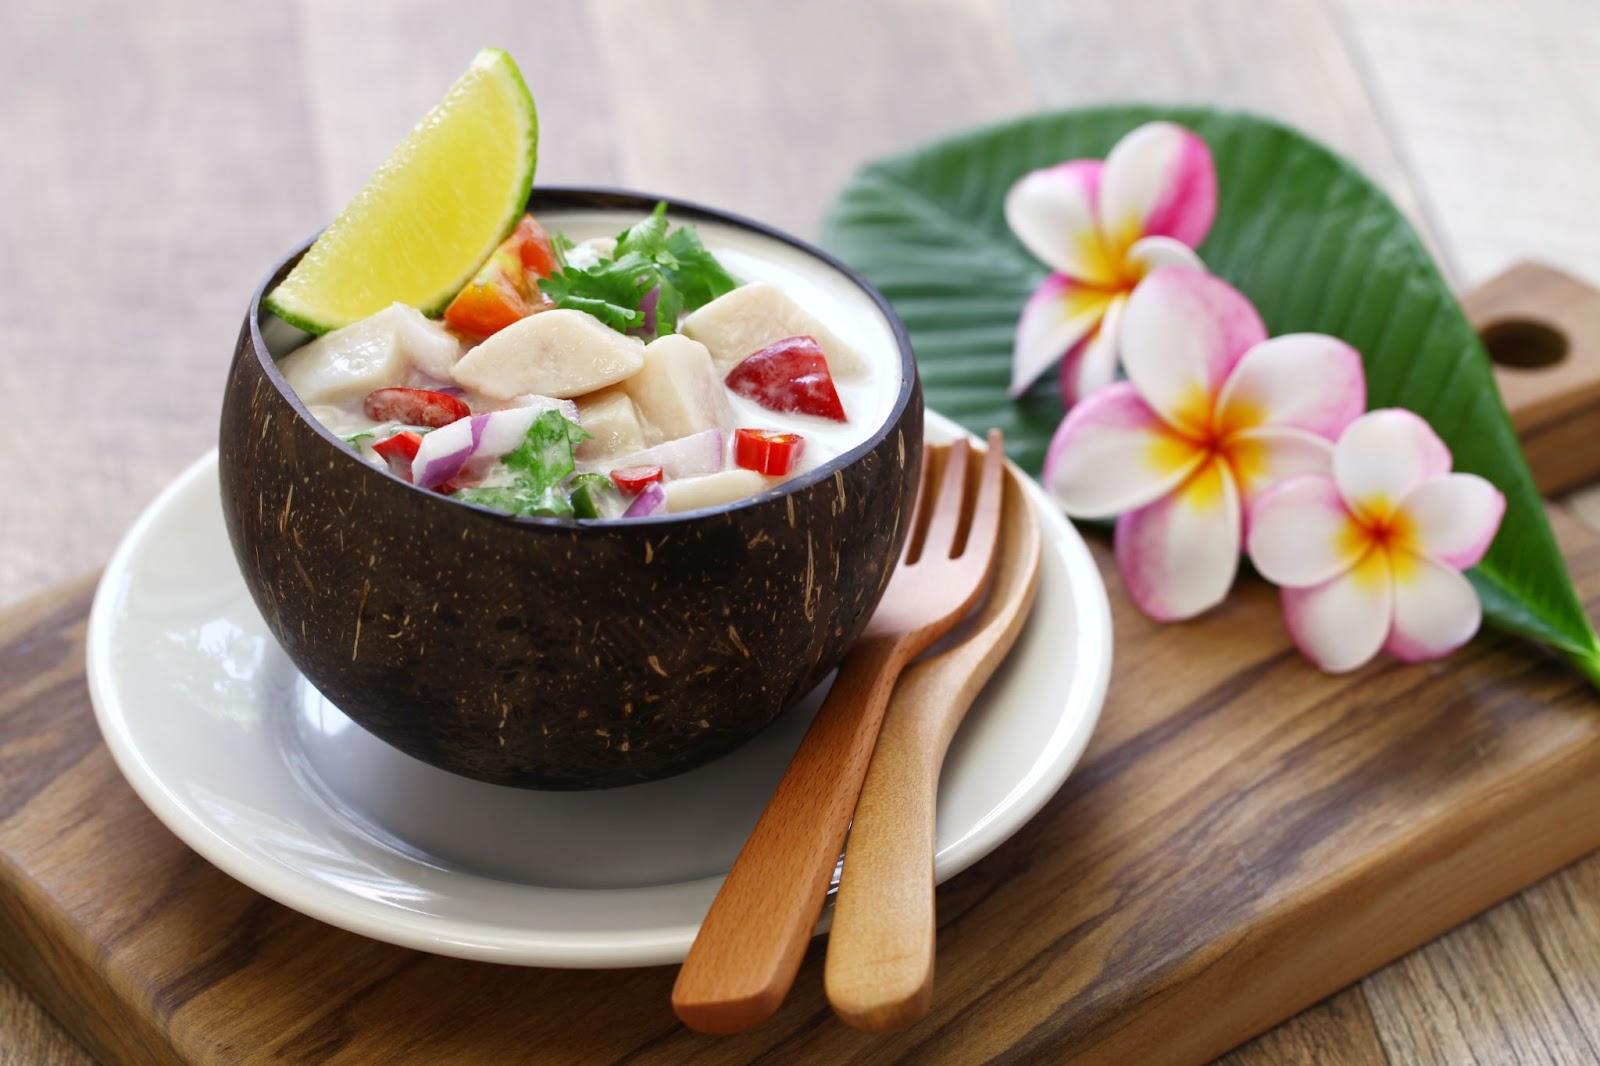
{"x":633,"y":479}
{"x":767,"y":452}
{"x":398,"y":451}
{"x":789,"y":375}
{"x":414,"y":407}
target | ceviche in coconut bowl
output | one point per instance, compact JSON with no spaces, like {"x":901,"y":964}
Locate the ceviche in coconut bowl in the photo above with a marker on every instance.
{"x":561,"y":487}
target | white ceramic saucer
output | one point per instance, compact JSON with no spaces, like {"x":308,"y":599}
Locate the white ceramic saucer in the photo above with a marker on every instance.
{"x":251,"y":767}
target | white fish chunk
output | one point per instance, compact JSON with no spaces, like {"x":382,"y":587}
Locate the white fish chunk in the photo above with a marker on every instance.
{"x":742,"y":322}
{"x":678,"y":392}
{"x":561,"y":353}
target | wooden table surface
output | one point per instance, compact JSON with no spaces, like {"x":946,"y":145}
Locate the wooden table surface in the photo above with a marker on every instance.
{"x":158,"y":155}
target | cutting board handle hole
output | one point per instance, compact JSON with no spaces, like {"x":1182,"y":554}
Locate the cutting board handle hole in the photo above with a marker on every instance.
{"x":1524,"y":343}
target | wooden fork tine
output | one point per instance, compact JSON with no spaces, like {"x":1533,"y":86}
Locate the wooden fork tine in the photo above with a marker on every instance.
{"x":948,"y":507}
{"x":984,"y":530}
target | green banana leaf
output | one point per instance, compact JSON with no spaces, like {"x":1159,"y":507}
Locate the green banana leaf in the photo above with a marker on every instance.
{"x":1309,"y":238}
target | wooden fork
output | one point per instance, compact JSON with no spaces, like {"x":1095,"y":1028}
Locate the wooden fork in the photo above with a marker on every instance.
{"x":879,"y":973}
{"x":752,"y":940}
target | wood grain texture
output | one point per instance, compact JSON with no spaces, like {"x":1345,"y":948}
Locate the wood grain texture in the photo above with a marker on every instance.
{"x":766,"y":108}
{"x":1243,"y":837}
{"x":1497,"y":113}
{"x":158,"y":161}
{"x":163,"y":135}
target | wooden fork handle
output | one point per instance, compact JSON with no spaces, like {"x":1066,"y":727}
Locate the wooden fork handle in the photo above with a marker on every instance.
{"x":751,"y":943}
{"x":879,"y":973}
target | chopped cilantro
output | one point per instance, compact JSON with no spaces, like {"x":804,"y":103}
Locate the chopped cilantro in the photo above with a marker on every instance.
{"x":545,"y":455}
{"x":647,"y":256}
{"x":538,"y":465}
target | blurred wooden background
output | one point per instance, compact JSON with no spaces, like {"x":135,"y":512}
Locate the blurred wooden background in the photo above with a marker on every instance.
{"x":158,"y":156}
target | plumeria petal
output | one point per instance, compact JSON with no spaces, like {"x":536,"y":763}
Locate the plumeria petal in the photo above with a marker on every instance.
{"x":1454,"y":518}
{"x":1435,"y":609}
{"x":1092,"y":364}
{"x":1302,"y":535}
{"x":1179,"y":555}
{"x":1182,"y":333}
{"x":1383,"y":456}
{"x":1111,"y":453}
{"x":1260,"y":458}
{"x":1302,"y":380}
{"x":1060,"y":313}
{"x":1054,"y":212}
{"x":1153,"y":253}
{"x":1342,"y":623}
{"x":1160,"y":180}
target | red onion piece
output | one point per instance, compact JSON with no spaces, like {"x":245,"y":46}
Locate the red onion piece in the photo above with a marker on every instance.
{"x":650,"y":500}
{"x":648,"y":306}
{"x":444,"y":451}
{"x":503,"y":431}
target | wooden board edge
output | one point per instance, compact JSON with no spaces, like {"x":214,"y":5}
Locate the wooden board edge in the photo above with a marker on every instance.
{"x":52,"y":962}
{"x":1237,"y":991}
{"x":48,"y":957}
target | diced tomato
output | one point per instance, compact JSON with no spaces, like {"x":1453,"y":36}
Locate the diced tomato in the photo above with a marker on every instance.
{"x":632,"y":479}
{"x":495,"y":298}
{"x":398,"y":451}
{"x":766,"y":451}
{"x":789,"y":375}
{"x":414,"y":407}
{"x":534,"y":244}
{"x":502,"y":292}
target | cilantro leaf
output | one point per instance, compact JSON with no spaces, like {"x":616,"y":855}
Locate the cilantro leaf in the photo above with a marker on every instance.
{"x":669,"y":305}
{"x":648,"y":255}
{"x":647,"y":237}
{"x":696,"y":272}
{"x":538,"y":466}
{"x":610,"y":290}
{"x":544,"y":457}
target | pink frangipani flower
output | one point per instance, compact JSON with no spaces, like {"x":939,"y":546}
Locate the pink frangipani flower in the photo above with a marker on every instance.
{"x":1102,"y":226}
{"x":1370,"y":555}
{"x":1212,"y":414}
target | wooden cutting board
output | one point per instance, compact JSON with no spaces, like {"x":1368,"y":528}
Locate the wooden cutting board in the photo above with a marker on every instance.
{"x":1243,"y":837}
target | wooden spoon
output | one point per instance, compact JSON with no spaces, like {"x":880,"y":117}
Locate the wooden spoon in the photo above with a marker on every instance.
{"x":750,"y":945}
{"x":879,"y":973}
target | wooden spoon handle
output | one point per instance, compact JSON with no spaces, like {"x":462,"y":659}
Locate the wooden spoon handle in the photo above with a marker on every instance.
{"x":752,"y":940}
{"x":879,"y":972}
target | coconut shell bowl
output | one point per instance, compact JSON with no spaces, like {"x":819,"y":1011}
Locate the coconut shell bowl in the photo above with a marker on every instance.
{"x":552,"y":654}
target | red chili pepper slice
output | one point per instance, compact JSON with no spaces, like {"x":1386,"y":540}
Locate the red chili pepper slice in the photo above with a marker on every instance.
{"x":789,"y":375}
{"x":633,"y":479}
{"x":414,"y":407}
{"x":766,"y":451}
{"x":398,"y":451}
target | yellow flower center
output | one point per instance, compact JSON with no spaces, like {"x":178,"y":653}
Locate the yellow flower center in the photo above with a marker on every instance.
{"x":1378,"y":533}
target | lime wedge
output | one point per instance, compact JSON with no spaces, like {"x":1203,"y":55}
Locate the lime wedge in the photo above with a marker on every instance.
{"x":433,"y":212}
